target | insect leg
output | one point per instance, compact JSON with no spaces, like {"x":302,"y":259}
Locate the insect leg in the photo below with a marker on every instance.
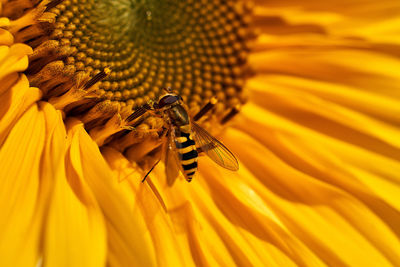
{"x":147,"y":174}
{"x":205,"y":109}
{"x":138,"y":112}
{"x":235,"y":110}
{"x":163,"y":135}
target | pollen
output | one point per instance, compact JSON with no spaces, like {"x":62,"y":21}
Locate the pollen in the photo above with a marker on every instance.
{"x":95,"y":58}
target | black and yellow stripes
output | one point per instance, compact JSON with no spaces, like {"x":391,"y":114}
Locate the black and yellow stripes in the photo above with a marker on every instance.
{"x":187,"y":152}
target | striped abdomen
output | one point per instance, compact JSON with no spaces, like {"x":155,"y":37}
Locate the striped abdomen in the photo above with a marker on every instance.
{"x":187,"y":152}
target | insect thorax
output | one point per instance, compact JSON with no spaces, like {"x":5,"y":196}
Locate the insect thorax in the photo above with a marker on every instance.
{"x":178,"y":115}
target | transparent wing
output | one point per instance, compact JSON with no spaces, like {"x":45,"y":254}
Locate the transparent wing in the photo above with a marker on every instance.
{"x":214,"y":148}
{"x":172,"y":166}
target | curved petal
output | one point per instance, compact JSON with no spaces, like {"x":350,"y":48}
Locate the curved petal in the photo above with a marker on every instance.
{"x":336,"y":66}
{"x":74,"y":232}
{"x":14,"y":102}
{"x":20,"y":225}
{"x":12,"y":59}
{"x":6,"y":38}
{"x":254,"y":224}
{"x":128,"y":242}
{"x":349,"y":207}
{"x":361,"y":19}
{"x":150,"y":206}
{"x":329,"y":117}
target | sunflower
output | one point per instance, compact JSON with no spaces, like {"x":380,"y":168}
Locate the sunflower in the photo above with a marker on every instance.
{"x":317,"y":135}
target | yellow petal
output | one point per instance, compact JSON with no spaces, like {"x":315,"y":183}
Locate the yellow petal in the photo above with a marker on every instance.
{"x":74,"y":233}
{"x":340,"y":65}
{"x":361,"y":132}
{"x":374,"y":103}
{"x":13,"y":59}
{"x":206,"y":219}
{"x":195,"y":238}
{"x":253,"y":224}
{"x":347,"y":156}
{"x":20,"y":166}
{"x":149,"y":206}
{"x":373,"y":20}
{"x":6,"y":37}
{"x":15,"y":101}
{"x":4,"y":22}
{"x":129,"y":245}
{"x":328,"y":117}
{"x":347,"y":213}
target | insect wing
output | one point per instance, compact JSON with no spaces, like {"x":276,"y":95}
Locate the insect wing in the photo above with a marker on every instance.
{"x":172,"y":165}
{"x":214,"y":148}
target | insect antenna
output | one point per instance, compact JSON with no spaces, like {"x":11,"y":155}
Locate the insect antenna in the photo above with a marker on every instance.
{"x":168,"y":89}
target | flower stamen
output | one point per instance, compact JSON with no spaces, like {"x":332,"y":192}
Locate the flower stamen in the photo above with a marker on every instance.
{"x":98,"y":77}
{"x":198,"y":49}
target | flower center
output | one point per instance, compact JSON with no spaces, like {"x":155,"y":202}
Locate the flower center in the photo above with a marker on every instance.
{"x":196,"y":48}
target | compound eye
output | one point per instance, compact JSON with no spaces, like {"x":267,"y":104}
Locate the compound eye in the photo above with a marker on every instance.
{"x":167,"y":100}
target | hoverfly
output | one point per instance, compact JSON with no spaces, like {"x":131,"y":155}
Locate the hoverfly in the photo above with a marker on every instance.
{"x":185,"y":139}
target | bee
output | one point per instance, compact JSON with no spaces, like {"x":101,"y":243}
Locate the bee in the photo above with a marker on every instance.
{"x":185,"y":139}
